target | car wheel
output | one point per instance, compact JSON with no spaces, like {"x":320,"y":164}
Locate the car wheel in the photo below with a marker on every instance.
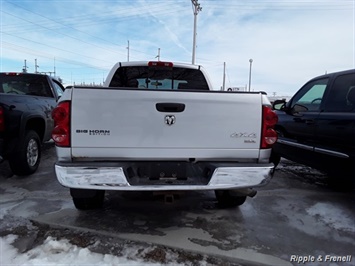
{"x":90,"y":203}
{"x":226,"y":199}
{"x":26,"y":159}
{"x":275,"y":158}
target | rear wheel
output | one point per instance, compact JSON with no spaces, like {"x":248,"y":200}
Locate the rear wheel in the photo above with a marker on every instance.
{"x":26,"y":159}
{"x":275,"y":158}
{"x":93,"y":200}
{"x":226,"y":198}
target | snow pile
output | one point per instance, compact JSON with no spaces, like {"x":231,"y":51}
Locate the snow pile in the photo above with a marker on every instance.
{"x":333,"y":216}
{"x":58,"y":252}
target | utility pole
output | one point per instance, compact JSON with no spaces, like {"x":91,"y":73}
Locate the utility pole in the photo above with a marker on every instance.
{"x":224,"y":76}
{"x":197,"y":8}
{"x":128,"y":52}
{"x":24,"y":69}
{"x":250,"y":61}
{"x":54,"y":68}
{"x":36,"y":66}
{"x":158,"y":56}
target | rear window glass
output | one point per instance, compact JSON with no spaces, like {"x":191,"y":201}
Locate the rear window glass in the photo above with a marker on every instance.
{"x":25,"y":84}
{"x":165,"y":78}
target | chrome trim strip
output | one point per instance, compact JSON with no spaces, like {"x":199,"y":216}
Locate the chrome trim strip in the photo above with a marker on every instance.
{"x":315,"y":149}
{"x":294,"y":144}
{"x":333,"y":153}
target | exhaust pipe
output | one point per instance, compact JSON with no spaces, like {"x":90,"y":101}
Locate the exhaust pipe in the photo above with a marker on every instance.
{"x":245,"y":192}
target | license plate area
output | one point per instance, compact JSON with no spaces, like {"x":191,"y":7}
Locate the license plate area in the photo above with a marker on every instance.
{"x":168,"y":173}
{"x":164,"y":171}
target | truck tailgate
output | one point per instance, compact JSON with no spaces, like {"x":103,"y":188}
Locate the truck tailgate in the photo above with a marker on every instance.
{"x":151,"y":124}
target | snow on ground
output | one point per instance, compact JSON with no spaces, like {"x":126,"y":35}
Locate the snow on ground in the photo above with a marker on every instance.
{"x":60,"y":252}
{"x":333,"y":216}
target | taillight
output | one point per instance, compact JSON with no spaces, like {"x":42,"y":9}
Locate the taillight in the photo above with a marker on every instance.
{"x":268,"y":135}
{"x":2,"y":119}
{"x":61,"y":131}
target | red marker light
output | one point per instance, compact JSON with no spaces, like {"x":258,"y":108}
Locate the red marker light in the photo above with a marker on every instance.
{"x":160,"y":64}
{"x":12,"y":74}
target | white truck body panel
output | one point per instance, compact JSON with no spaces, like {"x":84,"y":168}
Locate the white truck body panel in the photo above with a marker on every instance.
{"x":128,"y":125}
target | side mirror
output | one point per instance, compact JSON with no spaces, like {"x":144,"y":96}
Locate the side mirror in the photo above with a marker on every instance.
{"x":279,"y":105}
{"x":297,"y":109}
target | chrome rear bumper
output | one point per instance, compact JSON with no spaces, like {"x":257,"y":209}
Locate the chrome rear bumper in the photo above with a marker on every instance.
{"x":104,"y":176}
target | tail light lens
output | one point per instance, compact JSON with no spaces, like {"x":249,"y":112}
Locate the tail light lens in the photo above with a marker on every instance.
{"x":61,"y":131}
{"x":2,"y":119}
{"x":160,"y":64}
{"x":269,"y":135}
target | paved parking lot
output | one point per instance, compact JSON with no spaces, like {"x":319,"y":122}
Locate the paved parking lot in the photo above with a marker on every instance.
{"x":296,"y":218}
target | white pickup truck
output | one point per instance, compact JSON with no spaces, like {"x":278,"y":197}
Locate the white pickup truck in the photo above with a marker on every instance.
{"x":159,"y":127}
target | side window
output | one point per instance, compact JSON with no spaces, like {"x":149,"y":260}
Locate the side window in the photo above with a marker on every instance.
{"x":58,"y":88}
{"x":311,"y":95}
{"x":342,"y":95}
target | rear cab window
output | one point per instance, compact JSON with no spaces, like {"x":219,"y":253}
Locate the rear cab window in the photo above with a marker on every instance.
{"x":159,"y":78}
{"x":25,"y":84}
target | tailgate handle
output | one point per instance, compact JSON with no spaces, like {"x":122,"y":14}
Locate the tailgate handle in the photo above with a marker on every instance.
{"x":170,"y":107}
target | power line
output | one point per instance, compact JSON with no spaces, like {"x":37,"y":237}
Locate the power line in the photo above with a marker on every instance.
{"x":81,"y":22}
{"x":75,"y":38}
{"x":99,"y":59}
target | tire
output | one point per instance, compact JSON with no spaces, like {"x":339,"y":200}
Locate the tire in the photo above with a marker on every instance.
{"x":227,"y":200}
{"x":90,"y":203}
{"x":275,"y":158}
{"x":26,"y":159}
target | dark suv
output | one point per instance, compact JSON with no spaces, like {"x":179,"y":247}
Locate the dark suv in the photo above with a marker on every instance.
{"x":317,"y":126}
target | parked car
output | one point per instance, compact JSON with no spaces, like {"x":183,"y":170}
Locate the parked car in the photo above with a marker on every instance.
{"x":317,"y":126}
{"x":26,"y":103}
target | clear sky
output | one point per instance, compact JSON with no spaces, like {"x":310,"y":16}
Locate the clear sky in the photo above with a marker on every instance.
{"x":289,"y":41}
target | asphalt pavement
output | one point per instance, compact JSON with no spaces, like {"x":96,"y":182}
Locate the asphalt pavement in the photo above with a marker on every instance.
{"x":296,"y":219}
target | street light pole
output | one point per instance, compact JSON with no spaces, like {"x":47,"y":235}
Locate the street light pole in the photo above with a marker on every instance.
{"x":250,"y":61}
{"x":128,"y":51}
{"x":197,"y":8}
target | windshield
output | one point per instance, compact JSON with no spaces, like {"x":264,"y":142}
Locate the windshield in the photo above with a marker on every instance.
{"x":166,"y":78}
